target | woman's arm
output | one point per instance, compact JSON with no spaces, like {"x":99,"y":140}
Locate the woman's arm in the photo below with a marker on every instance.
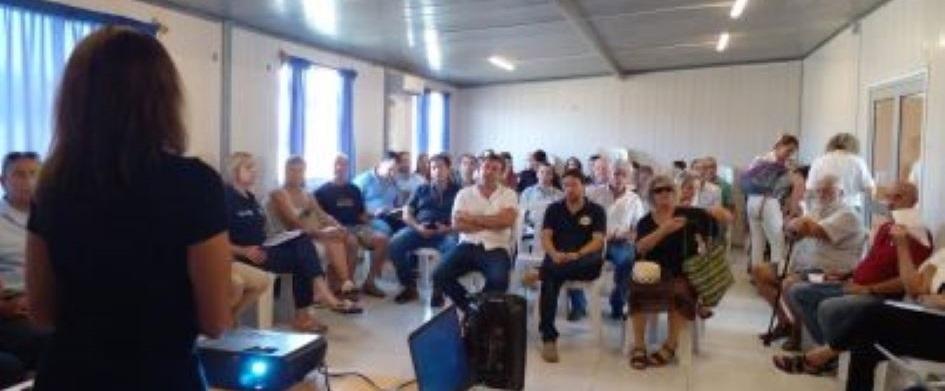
{"x":40,"y":282}
{"x":651,"y":240}
{"x":284,"y":211}
{"x":208,"y":265}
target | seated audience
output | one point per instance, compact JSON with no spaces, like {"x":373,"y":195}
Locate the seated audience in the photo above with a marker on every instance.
{"x":21,"y":342}
{"x":838,"y":236}
{"x":529,"y":176}
{"x":468,"y":169}
{"x":624,"y":209}
{"x":573,"y":163}
{"x":710,"y":173}
{"x":290,"y":254}
{"x":641,"y":183}
{"x":509,"y":179}
{"x":707,"y":194}
{"x":668,"y":235}
{"x":483,"y":215}
{"x":408,"y":181}
{"x":537,"y":197}
{"x":343,"y":201}
{"x":874,"y":280}
{"x":381,"y":194}
{"x":126,"y":251}
{"x":293,"y":208}
{"x":573,"y":237}
{"x":428,"y":218}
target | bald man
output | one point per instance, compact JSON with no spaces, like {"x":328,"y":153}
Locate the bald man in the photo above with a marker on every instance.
{"x":830,"y":307}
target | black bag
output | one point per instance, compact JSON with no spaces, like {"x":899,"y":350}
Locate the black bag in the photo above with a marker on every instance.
{"x":495,"y":335}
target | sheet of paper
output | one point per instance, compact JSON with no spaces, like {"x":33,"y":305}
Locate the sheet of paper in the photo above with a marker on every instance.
{"x":282,"y":237}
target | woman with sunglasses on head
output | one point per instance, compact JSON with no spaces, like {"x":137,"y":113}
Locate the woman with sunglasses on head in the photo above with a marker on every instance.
{"x":127,"y":256}
{"x":668,"y":235}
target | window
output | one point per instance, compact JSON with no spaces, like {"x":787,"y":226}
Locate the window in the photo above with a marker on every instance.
{"x":321,"y":102}
{"x":435,"y":123}
{"x":36,"y":39}
{"x":431,"y":127}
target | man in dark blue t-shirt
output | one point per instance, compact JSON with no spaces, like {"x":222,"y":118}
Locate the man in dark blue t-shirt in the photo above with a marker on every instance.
{"x":343,"y":201}
{"x":428,"y":216}
{"x":572,"y":236}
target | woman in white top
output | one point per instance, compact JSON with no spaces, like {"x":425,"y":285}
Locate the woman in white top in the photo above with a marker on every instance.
{"x":765,"y":212}
{"x":842,"y":160}
{"x":294,"y":208}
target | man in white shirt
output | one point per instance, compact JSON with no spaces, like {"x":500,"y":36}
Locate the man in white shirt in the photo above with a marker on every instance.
{"x":483,"y":215}
{"x":624,"y":209}
{"x":708,"y":194}
{"x":536,"y":198}
{"x":842,"y":160}
{"x":20,"y":342}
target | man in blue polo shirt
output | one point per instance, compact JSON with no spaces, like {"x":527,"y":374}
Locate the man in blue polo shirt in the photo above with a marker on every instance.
{"x":380,"y":193}
{"x":343,"y":201}
{"x":573,"y":236}
{"x":427,"y":215}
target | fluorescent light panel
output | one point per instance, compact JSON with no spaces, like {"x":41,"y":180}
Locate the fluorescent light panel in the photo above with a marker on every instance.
{"x":738,"y":8}
{"x":723,"y":42}
{"x":502,"y":63}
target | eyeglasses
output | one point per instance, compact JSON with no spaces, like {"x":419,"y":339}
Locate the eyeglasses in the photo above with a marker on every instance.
{"x":662,"y":189}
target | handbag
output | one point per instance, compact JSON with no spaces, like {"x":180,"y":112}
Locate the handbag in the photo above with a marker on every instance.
{"x":709,"y":273}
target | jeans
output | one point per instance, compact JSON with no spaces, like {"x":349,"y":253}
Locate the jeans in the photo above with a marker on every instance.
{"x":810,"y":298}
{"x":765,"y":221}
{"x":465,"y":258}
{"x":622,"y":255}
{"x":552,"y":277}
{"x":837,"y":315}
{"x":407,"y":241}
{"x":903,"y":332}
{"x":298,"y":257}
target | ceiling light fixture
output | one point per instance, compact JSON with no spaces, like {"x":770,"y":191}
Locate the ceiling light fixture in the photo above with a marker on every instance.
{"x":502,"y":63}
{"x":723,"y":42}
{"x":738,"y":8}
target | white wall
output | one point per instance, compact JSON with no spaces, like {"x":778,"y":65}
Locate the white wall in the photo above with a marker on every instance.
{"x":734,"y":113}
{"x":194,"y":44}
{"x":898,"y":39}
{"x":255,"y":89}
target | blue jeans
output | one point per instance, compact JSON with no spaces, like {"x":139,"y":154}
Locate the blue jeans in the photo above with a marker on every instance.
{"x":465,"y":258}
{"x":298,"y":257}
{"x":838,"y":315}
{"x":552,"y":277}
{"x":409,"y":240}
{"x":622,"y":255}
{"x":825,"y":309}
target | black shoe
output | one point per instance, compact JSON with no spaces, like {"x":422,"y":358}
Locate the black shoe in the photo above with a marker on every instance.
{"x":576,"y":315}
{"x":407,"y":295}
{"x":436,"y":299}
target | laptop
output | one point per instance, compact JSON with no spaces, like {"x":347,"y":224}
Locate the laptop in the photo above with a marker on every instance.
{"x":439,"y":354}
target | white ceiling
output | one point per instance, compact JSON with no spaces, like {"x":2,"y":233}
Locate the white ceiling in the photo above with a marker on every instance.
{"x":536,"y":35}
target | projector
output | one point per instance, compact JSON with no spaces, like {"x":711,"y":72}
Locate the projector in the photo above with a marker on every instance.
{"x":247,"y":359}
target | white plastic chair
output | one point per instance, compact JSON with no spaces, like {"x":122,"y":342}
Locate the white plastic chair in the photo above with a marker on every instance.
{"x":427,"y":258}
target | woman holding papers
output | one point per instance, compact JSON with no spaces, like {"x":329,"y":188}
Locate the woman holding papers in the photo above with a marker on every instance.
{"x":288,"y":252}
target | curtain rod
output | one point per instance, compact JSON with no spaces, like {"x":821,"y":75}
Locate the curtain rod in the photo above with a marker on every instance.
{"x":285,"y":57}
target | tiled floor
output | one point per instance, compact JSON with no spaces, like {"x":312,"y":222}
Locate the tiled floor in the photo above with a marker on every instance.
{"x":731,"y":358}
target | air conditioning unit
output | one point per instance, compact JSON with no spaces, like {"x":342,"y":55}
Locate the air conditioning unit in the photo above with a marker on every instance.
{"x":412,"y":85}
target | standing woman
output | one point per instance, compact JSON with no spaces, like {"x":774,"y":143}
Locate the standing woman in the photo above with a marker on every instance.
{"x":127,"y":252}
{"x":764,"y":206}
{"x":843,"y":161}
{"x":669,"y":235}
{"x":294,"y":208}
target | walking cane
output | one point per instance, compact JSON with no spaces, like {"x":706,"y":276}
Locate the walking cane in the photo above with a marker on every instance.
{"x":777,"y":296}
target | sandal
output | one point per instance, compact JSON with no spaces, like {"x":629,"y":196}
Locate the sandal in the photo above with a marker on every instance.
{"x":638,"y":359}
{"x":798,"y":363}
{"x":310,"y":326}
{"x":662,"y":356}
{"x":347,"y":307}
{"x":705,"y":312}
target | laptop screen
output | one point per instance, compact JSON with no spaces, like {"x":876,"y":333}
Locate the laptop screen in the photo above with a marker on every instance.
{"x":439,"y":355}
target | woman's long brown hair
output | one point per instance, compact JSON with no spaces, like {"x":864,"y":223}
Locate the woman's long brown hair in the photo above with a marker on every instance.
{"x":118,"y":110}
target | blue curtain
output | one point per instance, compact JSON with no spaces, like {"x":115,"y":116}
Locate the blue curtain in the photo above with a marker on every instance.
{"x":423,"y":125}
{"x":346,"y":118}
{"x":36,"y":39}
{"x":297,"y":69}
{"x":446,"y":123}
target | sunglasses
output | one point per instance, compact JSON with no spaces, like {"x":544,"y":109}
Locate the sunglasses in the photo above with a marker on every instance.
{"x":662,"y":189}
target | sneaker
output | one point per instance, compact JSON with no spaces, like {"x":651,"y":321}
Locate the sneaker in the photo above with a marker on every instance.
{"x":407,"y":295}
{"x":577,"y":314}
{"x":549,"y":352}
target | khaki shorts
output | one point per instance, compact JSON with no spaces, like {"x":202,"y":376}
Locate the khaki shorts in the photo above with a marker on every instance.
{"x":364,"y":233}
